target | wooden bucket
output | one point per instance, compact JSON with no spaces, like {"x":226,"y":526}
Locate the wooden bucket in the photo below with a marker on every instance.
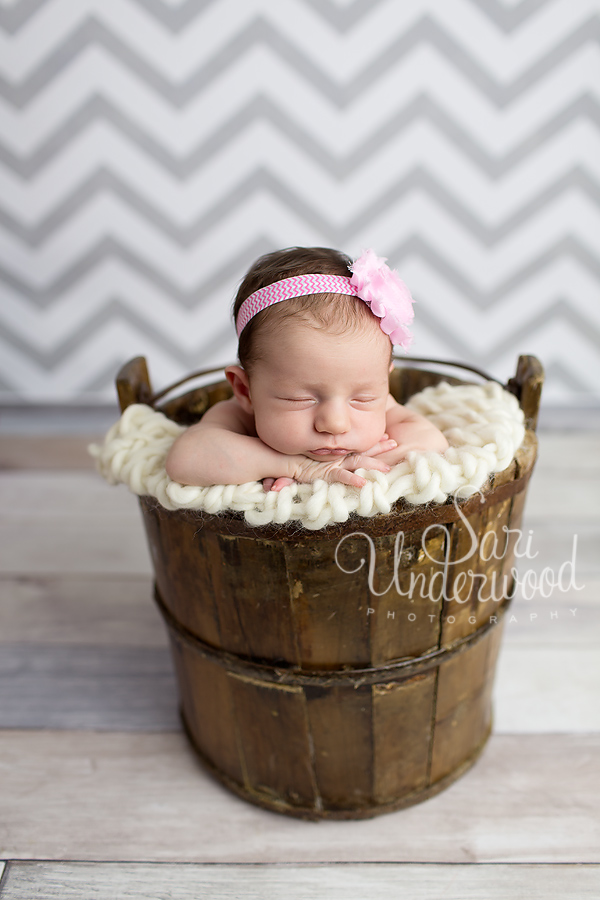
{"x":306,"y":687}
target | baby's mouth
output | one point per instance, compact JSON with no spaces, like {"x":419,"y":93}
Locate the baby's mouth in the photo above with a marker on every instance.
{"x":331,"y":451}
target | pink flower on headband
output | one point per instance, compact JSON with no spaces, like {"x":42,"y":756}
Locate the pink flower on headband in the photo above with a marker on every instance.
{"x":386,"y":294}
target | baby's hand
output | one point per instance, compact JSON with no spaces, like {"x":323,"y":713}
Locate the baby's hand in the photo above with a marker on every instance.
{"x":339,"y":470}
{"x":433,"y":440}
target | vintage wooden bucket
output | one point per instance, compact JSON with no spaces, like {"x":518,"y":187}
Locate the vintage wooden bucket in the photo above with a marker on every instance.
{"x":308,"y":690}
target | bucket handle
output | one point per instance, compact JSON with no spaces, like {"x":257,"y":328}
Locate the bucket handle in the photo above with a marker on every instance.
{"x":527,"y":385}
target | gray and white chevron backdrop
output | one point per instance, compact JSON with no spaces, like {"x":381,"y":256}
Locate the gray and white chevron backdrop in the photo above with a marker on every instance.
{"x":150,"y":149}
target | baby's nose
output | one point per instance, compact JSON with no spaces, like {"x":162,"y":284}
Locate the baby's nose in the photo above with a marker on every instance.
{"x":332,"y":418}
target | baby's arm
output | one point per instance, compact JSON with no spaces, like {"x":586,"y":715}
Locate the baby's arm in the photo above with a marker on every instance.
{"x":219,"y":450}
{"x":411,"y":431}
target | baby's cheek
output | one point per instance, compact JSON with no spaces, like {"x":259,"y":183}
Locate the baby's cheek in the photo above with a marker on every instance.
{"x":378,"y":429}
{"x":279,"y":433}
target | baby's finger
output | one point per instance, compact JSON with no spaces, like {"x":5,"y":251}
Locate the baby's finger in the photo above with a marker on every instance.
{"x":377,"y":464}
{"x":362,"y":461}
{"x":344,"y":476}
{"x":381,"y":447}
{"x":281,"y":483}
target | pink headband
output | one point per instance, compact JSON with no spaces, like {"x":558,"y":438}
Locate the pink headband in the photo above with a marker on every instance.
{"x":380,"y":287}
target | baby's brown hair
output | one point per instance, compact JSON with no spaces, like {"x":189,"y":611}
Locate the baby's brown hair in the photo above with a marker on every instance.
{"x":319,"y":310}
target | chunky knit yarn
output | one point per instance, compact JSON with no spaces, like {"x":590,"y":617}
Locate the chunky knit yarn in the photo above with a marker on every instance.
{"x":482,"y":423}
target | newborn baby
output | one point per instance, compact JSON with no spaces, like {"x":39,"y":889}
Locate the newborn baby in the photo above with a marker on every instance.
{"x":311,"y":395}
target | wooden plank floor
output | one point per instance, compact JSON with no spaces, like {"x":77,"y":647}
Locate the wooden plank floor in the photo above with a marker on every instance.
{"x":101,"y":796}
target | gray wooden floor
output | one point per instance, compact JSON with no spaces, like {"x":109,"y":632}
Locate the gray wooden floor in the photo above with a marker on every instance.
{"x":100,"y":795}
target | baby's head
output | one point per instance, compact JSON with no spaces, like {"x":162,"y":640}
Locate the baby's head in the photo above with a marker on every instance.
{"x":314,"y":368}
{"x":329,"y":311}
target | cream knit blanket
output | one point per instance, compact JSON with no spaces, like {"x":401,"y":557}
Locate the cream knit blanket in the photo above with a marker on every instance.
{"x":482,"y":423}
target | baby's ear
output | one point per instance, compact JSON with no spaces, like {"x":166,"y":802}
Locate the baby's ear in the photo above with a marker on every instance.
{"x":238,"y":379}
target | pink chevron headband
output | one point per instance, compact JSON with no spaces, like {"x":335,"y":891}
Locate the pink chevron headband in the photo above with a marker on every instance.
{"x":380,"y":287}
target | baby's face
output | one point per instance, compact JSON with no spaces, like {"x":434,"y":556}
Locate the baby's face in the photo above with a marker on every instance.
{"x":319,"y":394}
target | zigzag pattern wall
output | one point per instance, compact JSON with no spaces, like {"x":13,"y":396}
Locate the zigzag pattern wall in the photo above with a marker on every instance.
{"x":150,"y":149}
